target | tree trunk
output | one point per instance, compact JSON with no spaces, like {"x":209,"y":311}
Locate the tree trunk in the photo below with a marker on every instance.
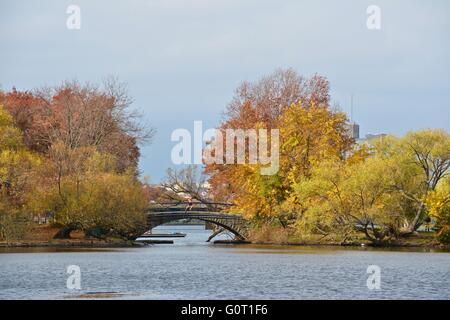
{"x":64,"y":233}
{"x":97,"y":232}
{"x":413,"y":225}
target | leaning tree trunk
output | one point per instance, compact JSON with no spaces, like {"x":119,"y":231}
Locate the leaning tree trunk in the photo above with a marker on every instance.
{"x":96,"y":232}
{"x":413,"y":225}
{"x":64,"y":233}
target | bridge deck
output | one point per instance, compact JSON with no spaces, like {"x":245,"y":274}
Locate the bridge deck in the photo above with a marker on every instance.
{"x":193,"y":214}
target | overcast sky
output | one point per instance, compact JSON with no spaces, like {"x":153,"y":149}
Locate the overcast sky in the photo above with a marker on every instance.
{"x":182,"y":59}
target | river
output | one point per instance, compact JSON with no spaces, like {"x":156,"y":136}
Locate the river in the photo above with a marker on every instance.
{"x":193,"y":269}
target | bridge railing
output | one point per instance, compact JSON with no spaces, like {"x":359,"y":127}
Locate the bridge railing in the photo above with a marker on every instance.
{"x":186,"y":206}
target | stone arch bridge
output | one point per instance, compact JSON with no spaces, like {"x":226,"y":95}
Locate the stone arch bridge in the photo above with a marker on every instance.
{"x":213,"y":213}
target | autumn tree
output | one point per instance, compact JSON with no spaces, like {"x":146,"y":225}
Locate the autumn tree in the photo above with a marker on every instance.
{"x":17,"y":178}
{"x":28,"y":115}
{"x":341,"y":199}
{"x":419,"y":161}
{"x":90,"y":195}
{"x":308,"y":136}
{"x":88,"y":136}
{"x":438,"y":204}
{"x":260,"y":105}
{"x":80,"y":116}
{"x":386,"y":195}
{"x":264,"y":101}
{"x":310,"y":131}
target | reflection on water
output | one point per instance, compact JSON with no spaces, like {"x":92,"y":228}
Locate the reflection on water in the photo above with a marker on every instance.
{"x":194,"y":269}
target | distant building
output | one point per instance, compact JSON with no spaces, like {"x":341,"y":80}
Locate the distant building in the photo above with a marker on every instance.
{"x":353,"y":130}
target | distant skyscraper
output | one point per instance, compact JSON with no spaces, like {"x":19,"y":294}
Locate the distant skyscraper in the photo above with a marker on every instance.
{"x":355,"y":130}
{"x":354,"y":127}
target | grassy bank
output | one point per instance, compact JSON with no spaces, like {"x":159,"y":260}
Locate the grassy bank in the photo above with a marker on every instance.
{"x":416,"y":240}
{"x":276,"y":235}
{"x":42,"y":236}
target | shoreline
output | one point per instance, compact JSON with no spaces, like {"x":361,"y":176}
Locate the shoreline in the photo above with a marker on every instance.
{"x":436,"y":246}
{"x":43,"y":237}
{"x":76,"y":243}
{"x":71,"y":244}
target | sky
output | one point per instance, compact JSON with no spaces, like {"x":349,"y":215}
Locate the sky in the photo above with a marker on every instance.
{"x":183,"y":59}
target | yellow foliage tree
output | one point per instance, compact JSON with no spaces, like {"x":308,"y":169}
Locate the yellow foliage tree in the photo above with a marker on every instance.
{"x":342,"y":198}
{"x":308,"y":135}
{"x":419,"y":162}
{"x":438,"y":203}
{"x":86,"y":193}
{"x":17,"y":178}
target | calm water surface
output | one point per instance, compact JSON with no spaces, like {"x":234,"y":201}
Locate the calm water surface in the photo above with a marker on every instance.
{"x":193,"y":269}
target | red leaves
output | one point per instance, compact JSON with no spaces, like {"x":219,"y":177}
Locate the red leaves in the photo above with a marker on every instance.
{"x":77,"y":115}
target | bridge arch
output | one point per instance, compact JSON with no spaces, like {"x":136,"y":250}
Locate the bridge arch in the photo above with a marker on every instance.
{"x":213,"y":221}
{"x":233,"y":223}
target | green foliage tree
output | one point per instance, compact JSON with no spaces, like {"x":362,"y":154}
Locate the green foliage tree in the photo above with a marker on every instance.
{"x":88,"y":194}
{"x":88,"y":138}
{"x":420,"y":160}
{"x":341,"y":199}
{"x":438,"y":203}
{"x":17,"y":178}
{"x":386,"y":194}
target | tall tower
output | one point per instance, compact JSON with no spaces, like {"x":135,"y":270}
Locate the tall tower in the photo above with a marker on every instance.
{"x":354,"y":127}
{"x":355,"y":131}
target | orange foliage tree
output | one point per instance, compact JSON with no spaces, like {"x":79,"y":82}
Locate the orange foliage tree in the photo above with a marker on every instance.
{"x":310,"y":131}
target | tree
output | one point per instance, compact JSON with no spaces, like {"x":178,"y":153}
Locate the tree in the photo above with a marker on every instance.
{"x":186,"y":182}
{"x":420,"y":160}
{"x":80,"y":116}
{"x":28,"y":115}
{"x":385,"y":194}
{"x":308,"y":136}
{"x":89,"y":195}
{"x":281,"y":100}
{"x":264,"y":101}
{"x":17,"y":167}
{"x":89,"y":138}
{"x":438,"y":204}
{"x":342,"y":198}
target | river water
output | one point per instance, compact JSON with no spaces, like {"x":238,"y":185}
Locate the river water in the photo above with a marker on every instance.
{"x":193,"y":269}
